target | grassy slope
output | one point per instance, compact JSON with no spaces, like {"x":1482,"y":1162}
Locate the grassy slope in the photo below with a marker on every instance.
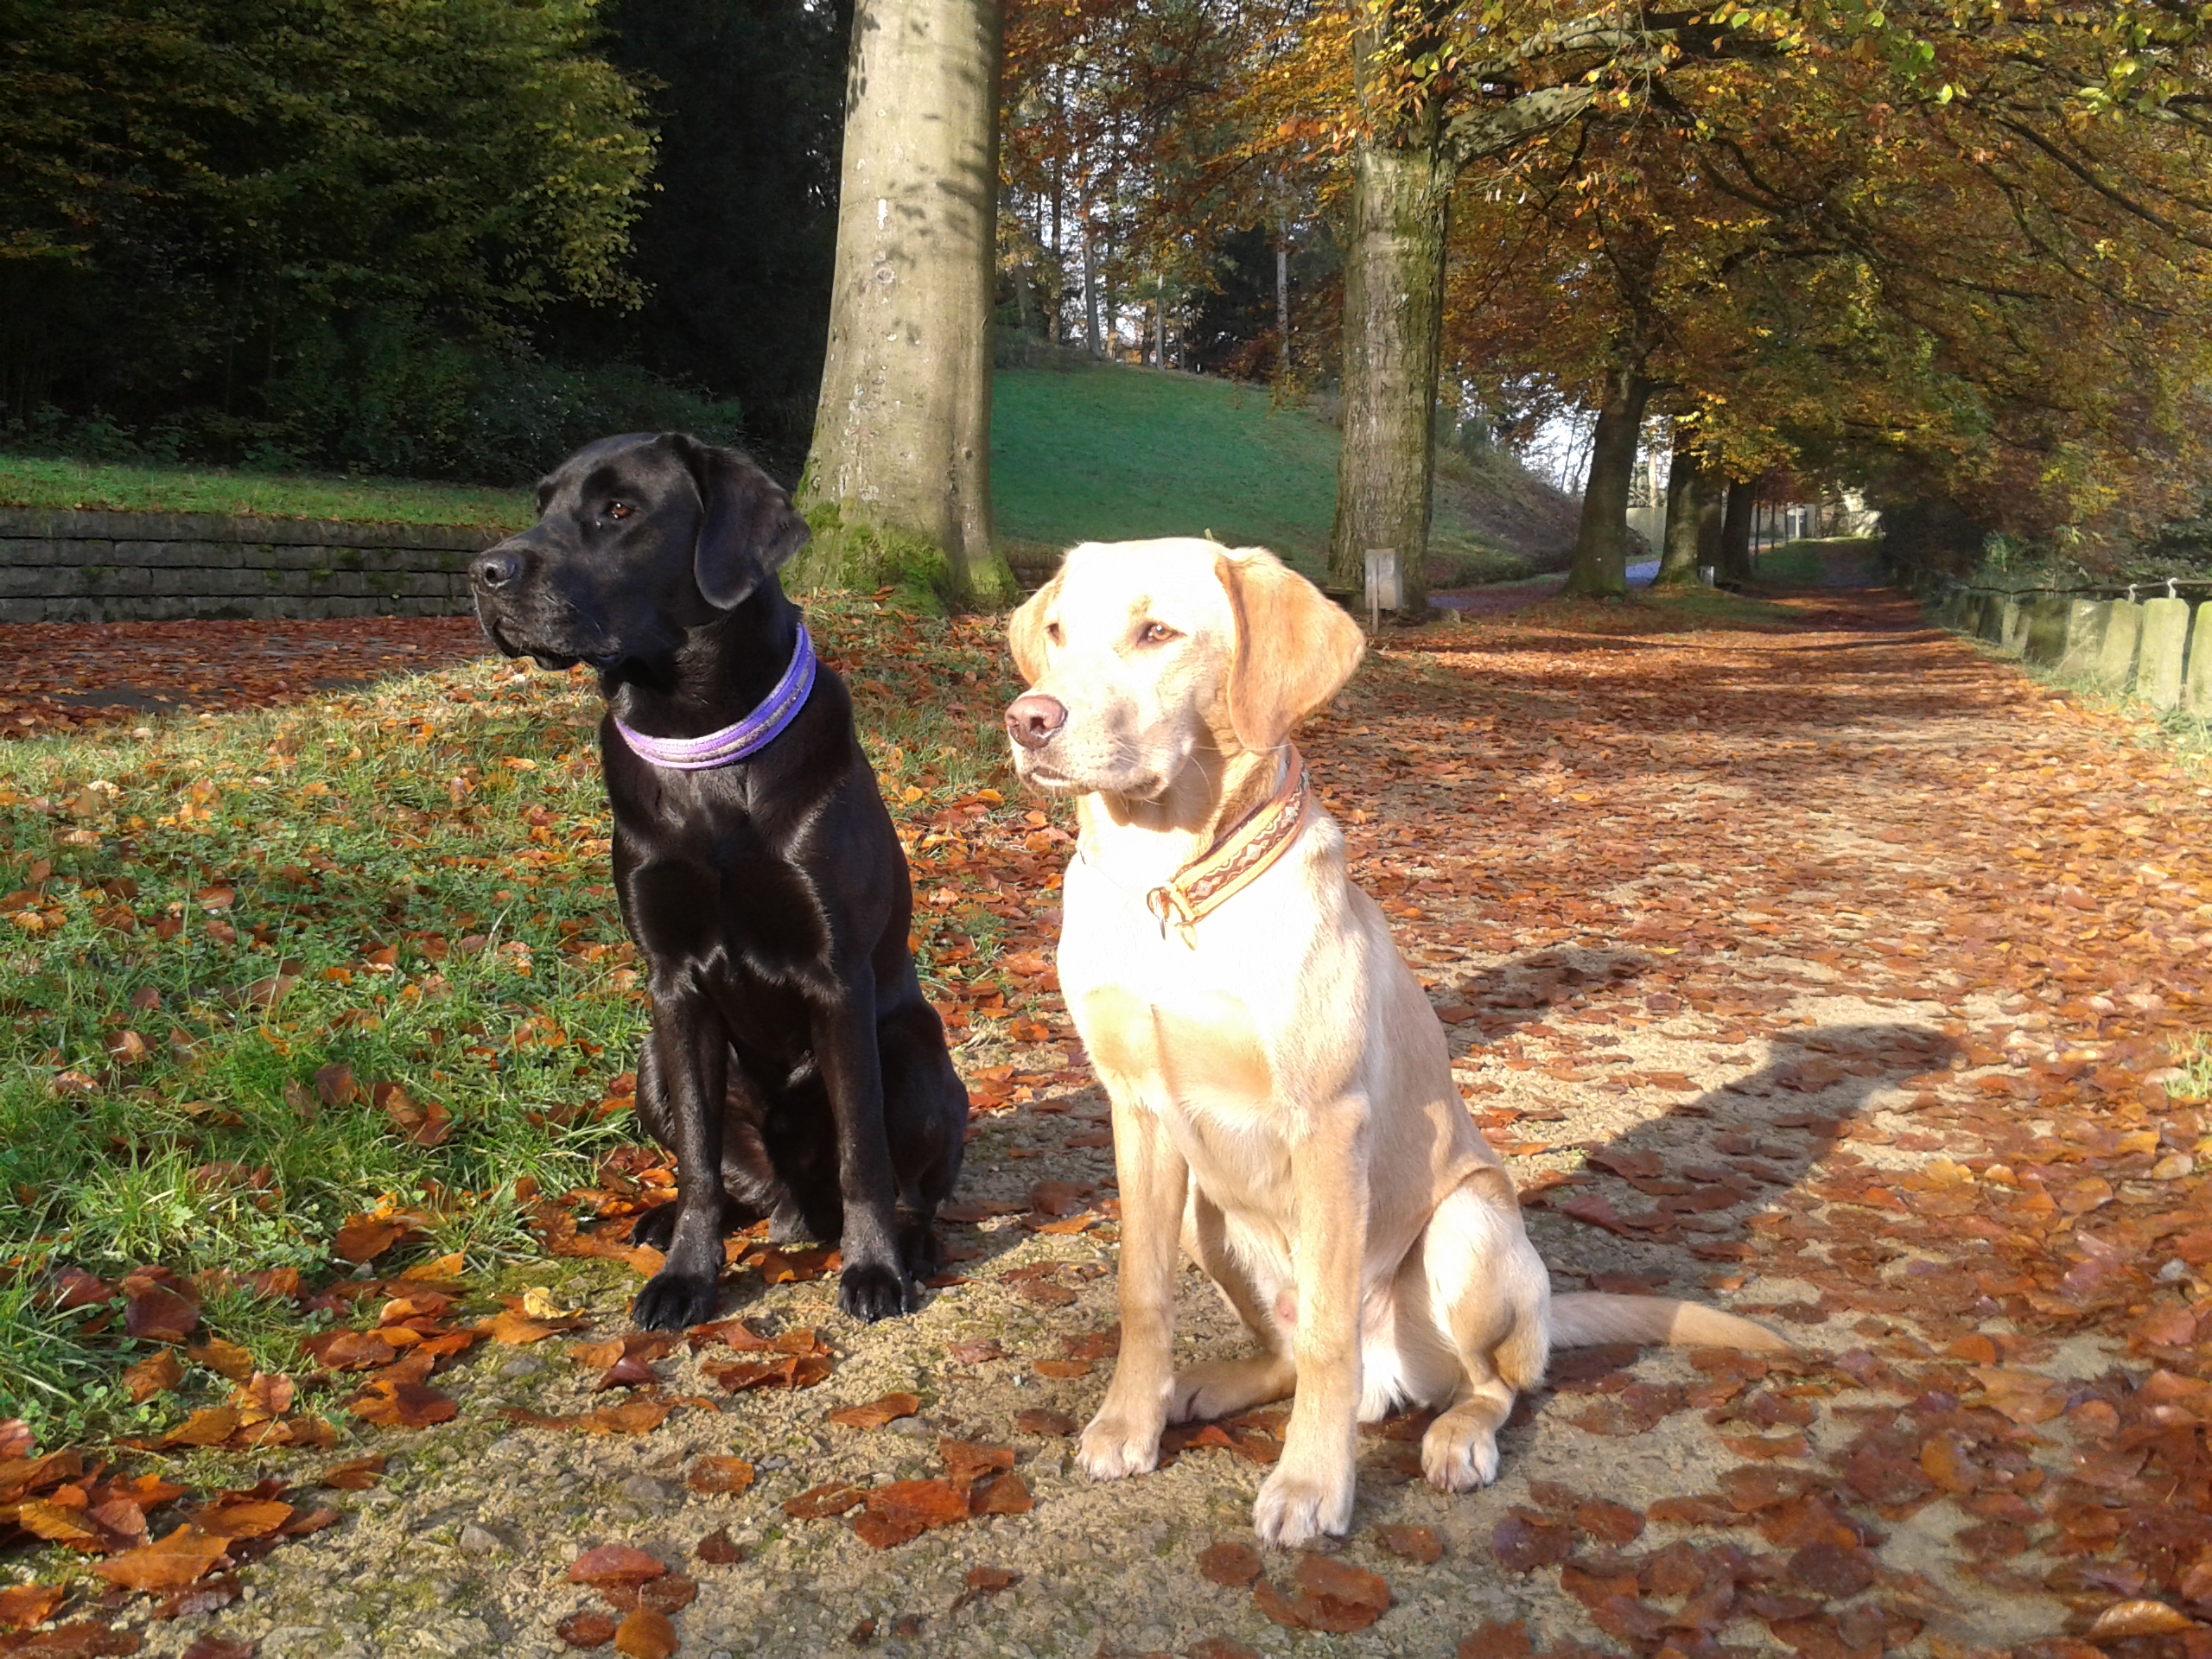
{"x":29,"y":481}
{"x":1108,"y":453}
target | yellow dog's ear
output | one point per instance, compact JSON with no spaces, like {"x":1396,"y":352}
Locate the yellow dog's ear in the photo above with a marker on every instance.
{"x":1025,"y":630}
{"x":1295,"y":648}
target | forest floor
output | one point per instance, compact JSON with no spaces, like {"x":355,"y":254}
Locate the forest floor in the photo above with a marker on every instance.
{"x":1798,"y":958}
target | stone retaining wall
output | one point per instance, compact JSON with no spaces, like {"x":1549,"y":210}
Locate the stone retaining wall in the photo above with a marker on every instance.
{"x":77,"y":566}
{"x":2159,"y":649}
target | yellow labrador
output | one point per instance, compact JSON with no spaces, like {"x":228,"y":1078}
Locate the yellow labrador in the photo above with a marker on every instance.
{"x":1282,"y":1095}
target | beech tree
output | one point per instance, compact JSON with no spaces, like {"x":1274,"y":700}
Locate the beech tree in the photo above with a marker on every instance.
{"x":898,"y":482}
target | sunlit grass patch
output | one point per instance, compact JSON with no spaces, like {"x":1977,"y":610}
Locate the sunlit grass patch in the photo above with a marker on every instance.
{"x":40,"y":481}
{"x":224,"y":945}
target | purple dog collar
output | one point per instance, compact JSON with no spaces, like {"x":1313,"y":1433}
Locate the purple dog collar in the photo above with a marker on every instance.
{"x":749,"y":736}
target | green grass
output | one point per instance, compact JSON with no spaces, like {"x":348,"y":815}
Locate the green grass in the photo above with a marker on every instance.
{"x":1109,"y":454}
{"x":455,"y":818}
{"x":1806,"y":562}
{"x":28,"y":481}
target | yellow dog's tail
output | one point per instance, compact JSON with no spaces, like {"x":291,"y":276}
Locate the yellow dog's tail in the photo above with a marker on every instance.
{"x":1583,"y":1318}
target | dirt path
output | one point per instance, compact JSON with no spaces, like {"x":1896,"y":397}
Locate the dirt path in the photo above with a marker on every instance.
{"x":1831,"y":974}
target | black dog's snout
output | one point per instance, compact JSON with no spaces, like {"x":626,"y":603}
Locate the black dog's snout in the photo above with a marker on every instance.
{"x":1031,"y":718}
{"x":496,"y":567}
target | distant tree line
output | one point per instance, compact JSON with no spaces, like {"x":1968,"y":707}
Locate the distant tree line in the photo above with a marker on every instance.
{"x":446,"y":239}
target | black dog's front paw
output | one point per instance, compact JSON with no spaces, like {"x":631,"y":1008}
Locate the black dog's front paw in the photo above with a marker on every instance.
{"x":674,"y":1301}
{"x":921,"y":1249}
{"x":869,"y":1291}
{"x":656,"y":1227}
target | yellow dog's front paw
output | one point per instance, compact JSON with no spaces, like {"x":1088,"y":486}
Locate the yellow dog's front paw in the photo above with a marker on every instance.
{"x":1458,"y":1456}
{"x":1294,"y":1509}
{"x":1115,"y":1444}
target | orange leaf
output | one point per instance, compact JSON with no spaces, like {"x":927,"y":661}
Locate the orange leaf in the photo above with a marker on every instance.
{"x":155,"y":1374}
{"x":615,"y":1564}
{"x":169,"y":1563}
{"x":888,"y":1409}
{"x":725,"y":1475}
{"x":646,"y":1633}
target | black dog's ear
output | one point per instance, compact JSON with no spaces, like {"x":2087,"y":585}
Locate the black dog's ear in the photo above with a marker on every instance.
{"x":747,"y":527}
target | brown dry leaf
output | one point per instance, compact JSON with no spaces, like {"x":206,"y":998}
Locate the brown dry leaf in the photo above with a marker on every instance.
{"x":918,"y":1504}
{"x":644,"y":1635}
{"x":22,"y":1605}
{"x":217,"y":1647}
{"x":1049,"y":1425}
{"x":364,"y":1238}
{"x":1419,"y":1545}
{"x":159,"y":1307}
{"x":819,"y":1503}
{"x":210,"y":1425}
{"x":1523,"y":1543}
{"x":588,"y":1628}
{"x":727,"y":1476}
{"x":977,"y":1351}
{"x":403,"y":1405}
{"x":1231,"y":1564}
{"x":355,"y":1475}
{"x":155,"y":1374}
{"x":990,"y":1580}
{"x":888,"y":1409}
{"x":1336,"y":1596}
{"x":640,"y":1415}
{"x":615,"y":1564}
{"x":1006,"y":1494}
{"x":71,"y":1527}
{"x":243,"y":1517}
{"x":518,"y":1329}
{"x":2133,"y":1618}
{"x":226,"y":1359}
{"x":334,"y":1085}
{"x":1497,"y":1641}
{"x":169,"y":1563}
{"x":718,"y":1548}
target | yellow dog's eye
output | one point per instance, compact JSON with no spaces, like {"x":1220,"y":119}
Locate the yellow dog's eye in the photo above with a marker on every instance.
{"x":1156,"y":633}
{"x":620,"y":509}
{"x":1052,"y":632}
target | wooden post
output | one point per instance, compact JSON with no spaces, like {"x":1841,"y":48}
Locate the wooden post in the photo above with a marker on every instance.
{"x":1383,"y":591}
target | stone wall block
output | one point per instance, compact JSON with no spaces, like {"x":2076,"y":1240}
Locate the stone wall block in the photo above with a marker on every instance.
{"x":2114,"y":670}
{"x":2159,"y":657}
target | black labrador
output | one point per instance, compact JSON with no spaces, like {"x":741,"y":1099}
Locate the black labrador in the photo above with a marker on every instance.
{"x":794,"y":1069}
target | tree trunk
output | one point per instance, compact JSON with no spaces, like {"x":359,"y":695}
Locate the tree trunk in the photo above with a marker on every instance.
{"x":1282,"y":302}
{"x":1159,"y":331}
{"x":1089,"y":291}
{"x":1736,"y":529}
{"x":898,"y":484}
{"x":1692,"y":490}
{"x":1600,"y":568}
{"x":1393,"y":338}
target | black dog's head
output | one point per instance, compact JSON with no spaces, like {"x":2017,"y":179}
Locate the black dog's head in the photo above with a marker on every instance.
{"x":640,"y":539}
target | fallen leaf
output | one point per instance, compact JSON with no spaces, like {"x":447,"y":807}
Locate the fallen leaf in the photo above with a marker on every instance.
{"x":403,"y":1405}
{"x":888,"y":1409}
{"x":2131,"y":1619}
{"x":25,"y":1604}
{"x":728,"y":1476}
{"x":356,"y":1475}
{"x":169,"y":1563}
{"x":1235,"y":1565}
{"x":1049,"y":1425}
{"x":819,"y":1503}
{"x":718,"y":1548}
{"x":615,"y":1564}
{"x":1420,"y":1545}
{"x":589,"y":1629}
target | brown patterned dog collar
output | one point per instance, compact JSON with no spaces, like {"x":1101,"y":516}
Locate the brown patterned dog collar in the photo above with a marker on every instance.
{"x":1238,"y":859}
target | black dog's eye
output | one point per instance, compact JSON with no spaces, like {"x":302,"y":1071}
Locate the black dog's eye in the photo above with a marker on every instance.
{"x":620,"y":509}
{"x":1156,"y":633}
